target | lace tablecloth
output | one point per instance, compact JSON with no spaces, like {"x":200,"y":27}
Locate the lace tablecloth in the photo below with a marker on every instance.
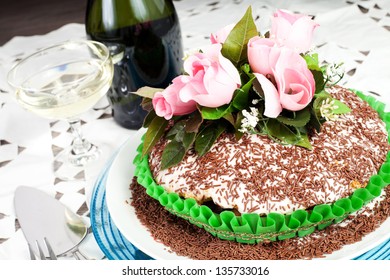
{"x":354,"y":32}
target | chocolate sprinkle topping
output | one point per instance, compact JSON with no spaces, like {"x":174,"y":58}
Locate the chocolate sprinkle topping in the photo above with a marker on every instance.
{"x":256,"y":174}
{"x":185,"y":239}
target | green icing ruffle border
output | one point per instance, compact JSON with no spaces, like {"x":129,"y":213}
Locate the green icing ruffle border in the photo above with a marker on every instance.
{"x":253,"y":228}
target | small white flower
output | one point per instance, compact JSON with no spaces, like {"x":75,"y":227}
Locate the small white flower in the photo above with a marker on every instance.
{"x":255,"y":101}
{"x":335,"y":72}
{"x":327,"y":108}
{"x":250,"y":120}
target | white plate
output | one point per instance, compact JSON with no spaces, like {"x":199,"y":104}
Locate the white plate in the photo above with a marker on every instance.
{"x":122,"y":213}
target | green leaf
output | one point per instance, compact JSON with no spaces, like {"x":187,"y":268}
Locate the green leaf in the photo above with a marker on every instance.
{"x":147,"y":92}
{"x":235,"y":46}
{"x":315,"y":120}
{"x":173,"y":153}
{"x":230,"y":119}
{"x":317,"y":103}
{"x":176,"y":132}
{"x":214,"y":113}
{"x":319,"y":80}
{"x":147,"y":104}
{"x":240,"y":99}
{"x":188,"y":140}
{"x":304,"y":142}
{"x":312,"y":61}
{"x":342,"y":107}
{"x":246,"y":68}
{"x":207,"y":136}
{"x":299,"y":118}
{"x":238,"y":135}
{"x":155,"y":130}
{"x":179,"y":139}
{"x":237,"y":126}
{"x":247,"y":87}
{"x":179,"y":134}
{"x":286,"y":134}
{"x":194,"y":121}
{"x":322,"y":93}
{"x":149,"y":118}
{"x":321,"y":97}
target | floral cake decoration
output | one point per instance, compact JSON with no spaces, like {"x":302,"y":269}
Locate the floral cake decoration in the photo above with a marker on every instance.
{"x":245,"y":82}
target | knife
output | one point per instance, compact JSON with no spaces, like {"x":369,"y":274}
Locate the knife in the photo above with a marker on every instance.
{"x":41,"y":215}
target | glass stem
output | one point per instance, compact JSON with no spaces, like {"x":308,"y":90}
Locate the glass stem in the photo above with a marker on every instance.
{"x":79,"y":144}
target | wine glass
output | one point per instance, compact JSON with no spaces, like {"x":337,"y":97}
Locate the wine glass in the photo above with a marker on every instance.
{"x":61,"y":82}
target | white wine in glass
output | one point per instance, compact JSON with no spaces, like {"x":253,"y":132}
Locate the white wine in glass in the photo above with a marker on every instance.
{"x":62,"y":82}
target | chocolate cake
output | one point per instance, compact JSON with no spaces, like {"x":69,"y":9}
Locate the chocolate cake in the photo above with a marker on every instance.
{"x":256,"y":150}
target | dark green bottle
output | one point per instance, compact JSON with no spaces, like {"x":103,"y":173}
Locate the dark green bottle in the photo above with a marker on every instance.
{"x":144,"y":38}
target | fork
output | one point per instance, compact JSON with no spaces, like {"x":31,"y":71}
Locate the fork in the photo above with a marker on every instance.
{"x":52,"y":255}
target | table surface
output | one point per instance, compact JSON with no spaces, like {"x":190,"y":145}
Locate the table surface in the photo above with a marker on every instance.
{"x":354,"y":32}
{"x":23,"y":18}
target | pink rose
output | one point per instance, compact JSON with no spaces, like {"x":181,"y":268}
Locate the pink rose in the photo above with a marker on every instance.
{"x":221,"y":35}
{"x":259,"y":51}
{"x":283,"y":75}
{"x":292,"y":30}
{"x":212,"y":78}
{"x":167,"y":103}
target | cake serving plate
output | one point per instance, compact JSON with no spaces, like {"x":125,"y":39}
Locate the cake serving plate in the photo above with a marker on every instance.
{"x":121,"y":223}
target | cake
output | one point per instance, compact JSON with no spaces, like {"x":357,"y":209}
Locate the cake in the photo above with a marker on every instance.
{"x":257,"y":175}
{"x":260,"y":145}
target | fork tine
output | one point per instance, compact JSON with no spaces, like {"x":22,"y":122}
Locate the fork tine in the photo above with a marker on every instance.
{"x":41,"y":253}
{"x":52,"y":255}
{"x":32,"y":255}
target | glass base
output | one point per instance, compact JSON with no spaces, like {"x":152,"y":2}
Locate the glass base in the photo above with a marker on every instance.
{"x":83,"y":159}
{"x":69,"y":166}
{"x":86,"y":168}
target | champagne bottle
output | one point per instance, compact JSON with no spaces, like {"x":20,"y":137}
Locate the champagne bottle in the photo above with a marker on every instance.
{"x":145,"y":41}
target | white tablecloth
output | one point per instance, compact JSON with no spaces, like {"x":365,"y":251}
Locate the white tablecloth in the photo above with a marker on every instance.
{"x":354,"y":32}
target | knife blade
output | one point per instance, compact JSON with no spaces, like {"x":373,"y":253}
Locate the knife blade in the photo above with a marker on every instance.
{"x":41,"y":215}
